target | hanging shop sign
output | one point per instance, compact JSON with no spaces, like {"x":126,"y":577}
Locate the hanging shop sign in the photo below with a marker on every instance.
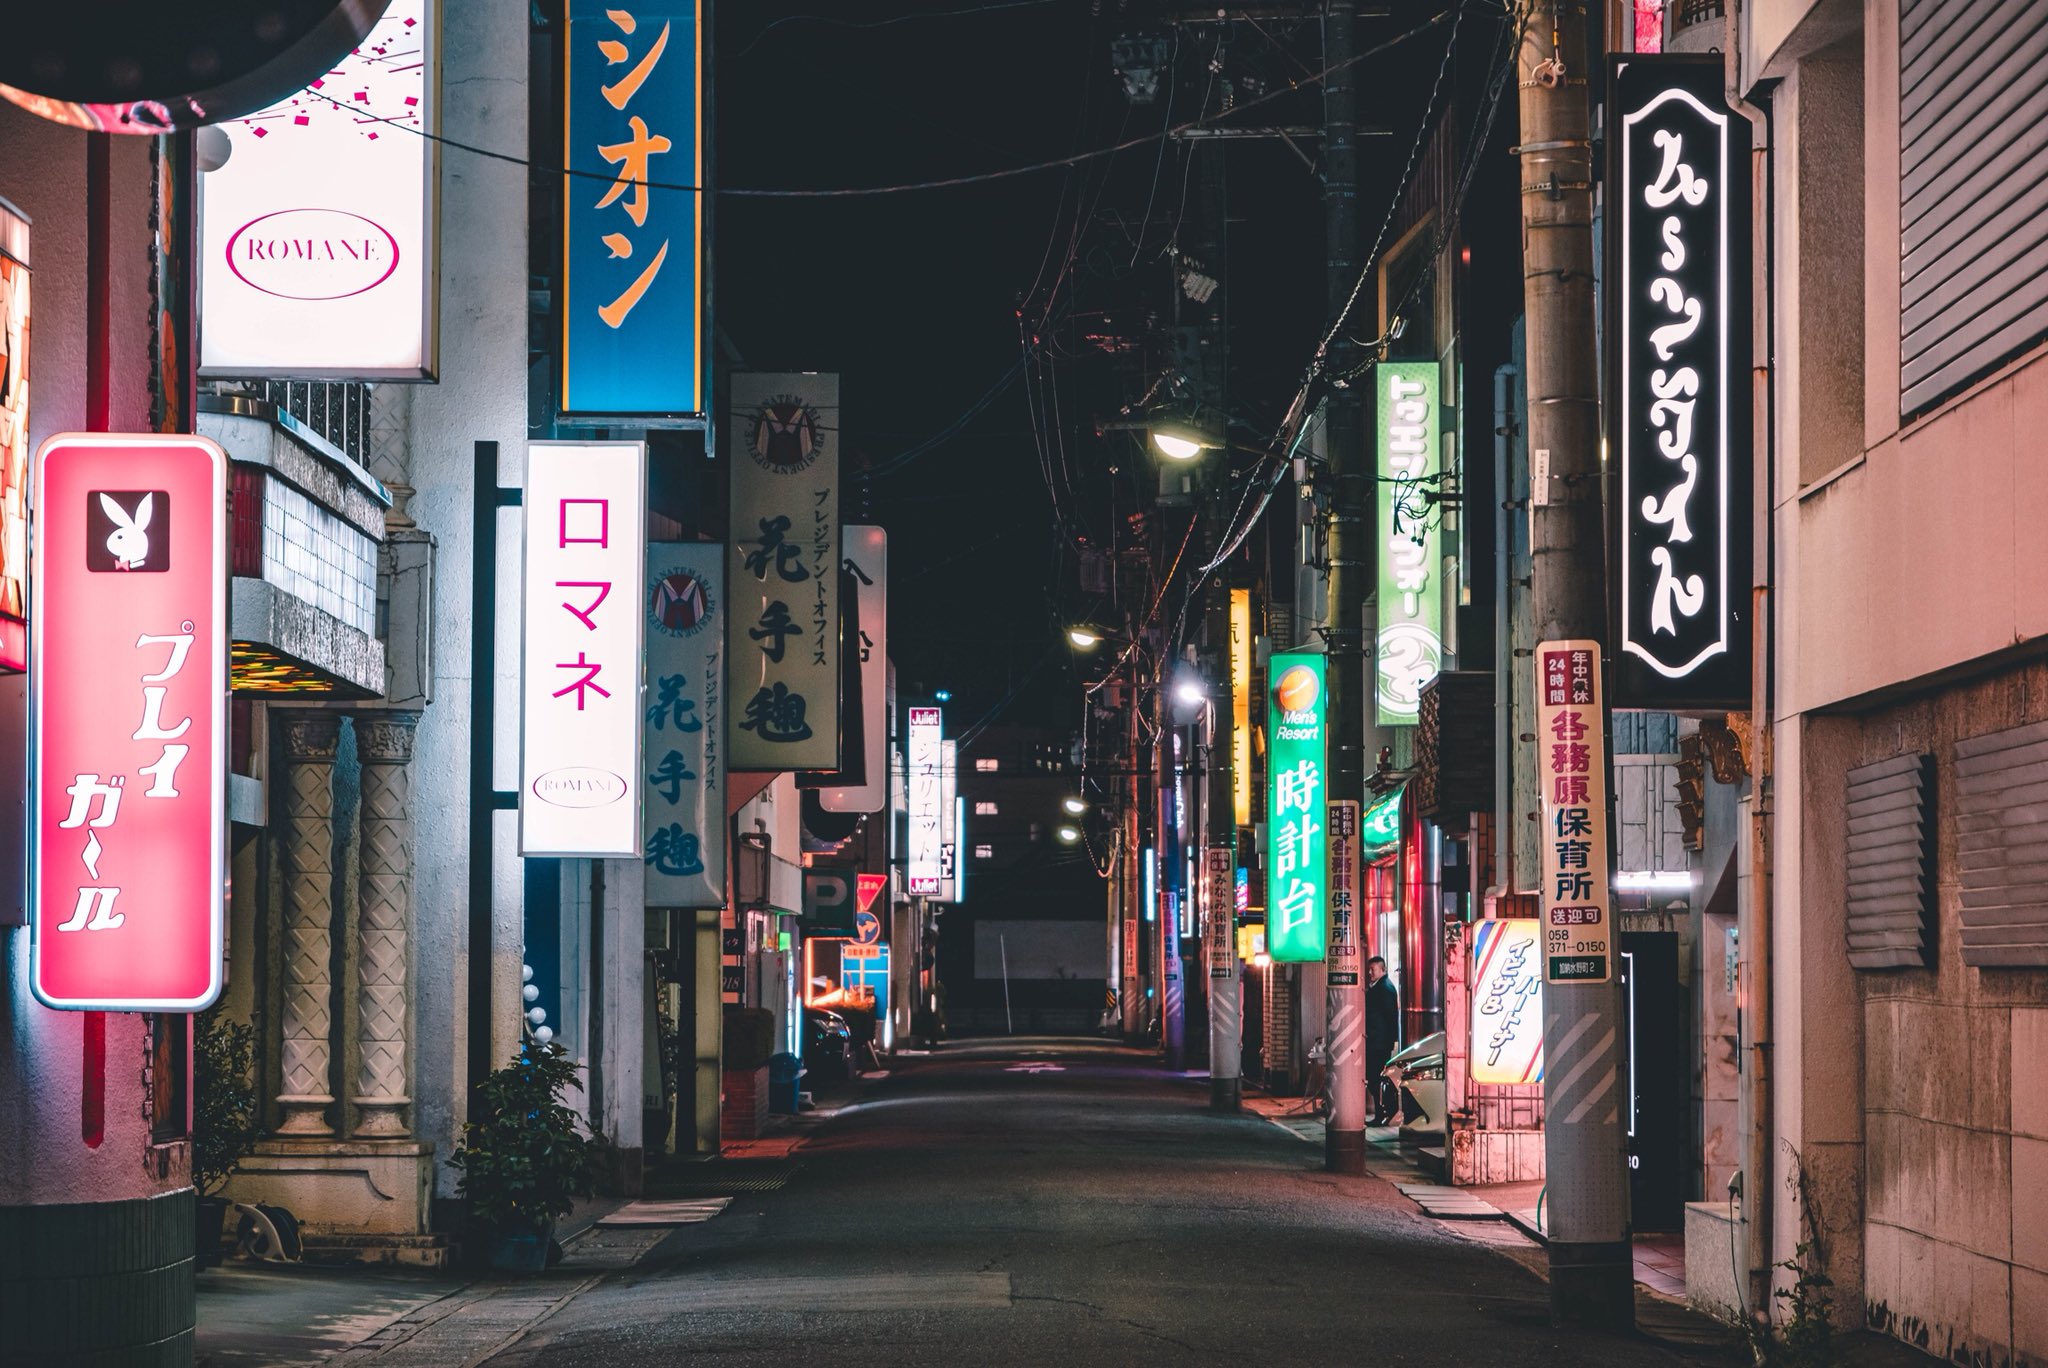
{"x":1379,"y":830}
{"x":1679,"y":420}
{"x":1571,"y":766}
{"x":1297,"y":716}
{"x":867,"y":560}
{"x":830,"y":899}
{"x":580,"y":780}
{"x":633,"y":281}
{"x":1241,"y":706}
{"x":14,"y":337}
{"x":146,"y":67}
{"x":127,"y":743}
{"x":318,"y":255}
{"x":950,"y":821}
{"x":1411,"y":641}
{"x":784,"y":576}
{"x":683,"y":726}
{"x":923,"y":781}
{"x":1507,"y":1001}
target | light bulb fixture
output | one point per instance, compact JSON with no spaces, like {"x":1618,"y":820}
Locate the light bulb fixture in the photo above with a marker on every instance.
{"x":1189,"y":693}
{"x":1180,"y":432}
{"x":1084,"y":638}
{"x":1074,"y":806}
{"x":1069,"y":834}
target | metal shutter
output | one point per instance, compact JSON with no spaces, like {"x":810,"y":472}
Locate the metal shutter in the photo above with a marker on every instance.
{"x":1890,"y":850}
{"x":2002,"y":817}
{"x":1973,"y":189}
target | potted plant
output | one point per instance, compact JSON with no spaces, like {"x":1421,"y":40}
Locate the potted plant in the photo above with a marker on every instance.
{"x":224,"y":1117}
{"x":524,"y":1159}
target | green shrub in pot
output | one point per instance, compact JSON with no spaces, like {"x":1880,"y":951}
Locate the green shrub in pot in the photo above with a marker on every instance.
{"x":524,"y":1157}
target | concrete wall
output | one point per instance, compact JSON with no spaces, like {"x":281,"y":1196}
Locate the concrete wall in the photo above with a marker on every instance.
{"x":481,"y":396}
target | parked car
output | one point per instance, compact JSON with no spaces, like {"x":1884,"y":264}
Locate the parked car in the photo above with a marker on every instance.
{"x":1417,"y":1073}
{"x":828,"y":1046}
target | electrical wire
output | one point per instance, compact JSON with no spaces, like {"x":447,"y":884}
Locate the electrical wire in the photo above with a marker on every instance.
{"x":942,"y":183}
{"x":878,"y":23}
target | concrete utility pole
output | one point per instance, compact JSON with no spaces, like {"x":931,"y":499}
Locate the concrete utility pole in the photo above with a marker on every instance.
{"x":1172,"y":880}
{"x":1351,"y":561}
{"x":1592,"y":1279}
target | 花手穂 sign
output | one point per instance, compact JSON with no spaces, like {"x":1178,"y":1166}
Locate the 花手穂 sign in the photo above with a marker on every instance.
{"x":1679,"y":416}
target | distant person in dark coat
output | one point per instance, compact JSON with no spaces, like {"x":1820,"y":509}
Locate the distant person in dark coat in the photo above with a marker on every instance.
{"x":1382,"y":1034}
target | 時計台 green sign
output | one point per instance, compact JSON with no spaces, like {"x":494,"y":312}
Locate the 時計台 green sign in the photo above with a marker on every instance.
{"x":1411,"y":643}
{"x":1297,"y":759}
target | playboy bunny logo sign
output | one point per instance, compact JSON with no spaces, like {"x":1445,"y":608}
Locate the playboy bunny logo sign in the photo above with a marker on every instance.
{"x":128,"y":529}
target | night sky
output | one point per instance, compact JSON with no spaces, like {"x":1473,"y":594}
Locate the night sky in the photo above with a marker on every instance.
{"x":915,"y":297}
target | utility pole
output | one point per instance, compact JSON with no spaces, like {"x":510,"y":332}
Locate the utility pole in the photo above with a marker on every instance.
{"x":1592,"y":1279}
{"x":1172,"y":881}
{"x":1133,"y":988}
{"x":1351,"y":563}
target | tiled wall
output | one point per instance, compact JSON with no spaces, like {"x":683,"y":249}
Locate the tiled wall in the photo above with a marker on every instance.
{"x":314,"y":554}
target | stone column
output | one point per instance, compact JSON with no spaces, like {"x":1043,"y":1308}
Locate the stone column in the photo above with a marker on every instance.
{"x":384,"y":922}
{"x":310,"y":739}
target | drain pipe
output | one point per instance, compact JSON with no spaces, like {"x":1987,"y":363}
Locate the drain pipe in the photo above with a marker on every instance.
{"x":1754,"y":1003}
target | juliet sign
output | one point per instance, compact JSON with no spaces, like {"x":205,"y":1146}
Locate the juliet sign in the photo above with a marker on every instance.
{"x":1680,"y":417}
{"x":1411,"y":640}
{"x":1297,"y":914}
{"x":923,"y":783}
{"x":128,"y":722}
{"x":580,"y":776}
{"x":317,"y":235}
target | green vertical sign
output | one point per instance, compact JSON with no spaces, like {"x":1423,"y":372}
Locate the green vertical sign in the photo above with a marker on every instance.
{"x":1411,"y":642}
{"x":1297,"y":728}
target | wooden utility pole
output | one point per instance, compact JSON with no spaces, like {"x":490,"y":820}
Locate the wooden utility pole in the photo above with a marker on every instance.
{"x":1592,"y":1279}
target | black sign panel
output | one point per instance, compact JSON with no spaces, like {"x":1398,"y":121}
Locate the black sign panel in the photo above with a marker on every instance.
{"x":1679,"y":386}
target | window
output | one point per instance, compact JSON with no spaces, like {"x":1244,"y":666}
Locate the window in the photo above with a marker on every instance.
{"x":984,"y":852}
{"x":984,"y":808}
{"x":986,"y":764}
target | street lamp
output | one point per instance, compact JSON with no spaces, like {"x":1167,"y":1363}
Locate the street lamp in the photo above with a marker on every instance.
{"x":1180,"y":436}
{"x":1069,"y":834}
{"x":1074,"y":806}
{"x":1084,"y":638}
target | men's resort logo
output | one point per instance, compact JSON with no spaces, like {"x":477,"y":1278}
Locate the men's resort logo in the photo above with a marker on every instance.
{"x":783,"y":435}
{"x":312,"y":254}
{"x":1296,"y":693}
{"x":579,"y":786}
{"x":679,"y":604}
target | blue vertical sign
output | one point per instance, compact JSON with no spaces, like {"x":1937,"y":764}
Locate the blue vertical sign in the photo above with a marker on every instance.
{"x":684,"y":727}
{"x":632,"y":286}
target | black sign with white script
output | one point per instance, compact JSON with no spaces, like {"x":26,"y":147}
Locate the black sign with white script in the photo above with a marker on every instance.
{"x":1679,"y":397}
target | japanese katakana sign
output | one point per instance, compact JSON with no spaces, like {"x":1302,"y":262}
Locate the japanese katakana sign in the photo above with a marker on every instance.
{"x":924,"y":792}
{"x":632,"y":305}
{"x":128,"y":722}
{"x":867,"y":559}
{"x":1571,"y":766}
{"x":783,"y":575}
{"x":1411,"y":634}
{"x":1679,"y":398}
{"x":683,"y":725}
{"x":1297,"y":913}
{"x":581,"y":707}
{"x":1507,"y":1001}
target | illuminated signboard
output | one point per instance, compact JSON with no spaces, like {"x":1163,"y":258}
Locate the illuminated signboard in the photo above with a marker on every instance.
{"x":1297,"y":914}
{"x":1571,"y":767}
{"x":1379,"y":830}
{"x":1507,"y":1001}
{"x":632,"y":306}
{"x":1241,"y":706}
{"x":923,"y":781}
{"x":579,"y":692}
{"x":317,"y":251}
{"x":1345,"y":931}
{"x":1679,"y":415}
{"x":128,"y":691}
{"x":784,"y":572}
{"x":683,"y":724}
{"x":1411,"y":642}
{"x":14,"y":338}
{"x":1222,"y":891}
{"x":867,"y":558}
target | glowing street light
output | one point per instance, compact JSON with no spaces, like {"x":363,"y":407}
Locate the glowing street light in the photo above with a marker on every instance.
{"x":1074,"y":806}
{"x":1084,"y":638}
{"x":1069,"y":834}
{"x":1179,"y":438}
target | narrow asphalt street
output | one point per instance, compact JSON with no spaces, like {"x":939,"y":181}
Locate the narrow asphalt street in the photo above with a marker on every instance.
{"x":1043,"y":1202}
